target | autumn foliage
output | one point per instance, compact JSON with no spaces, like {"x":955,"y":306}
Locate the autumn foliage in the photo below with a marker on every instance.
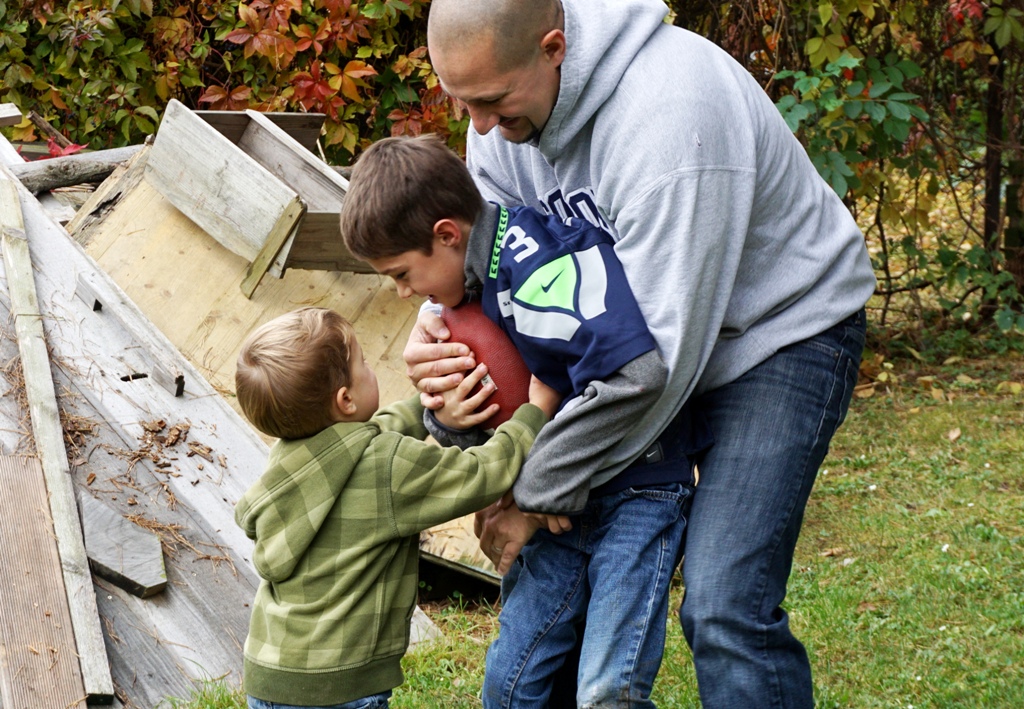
{"x":102,"y":70}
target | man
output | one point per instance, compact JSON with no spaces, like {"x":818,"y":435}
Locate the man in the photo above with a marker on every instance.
{"x":749,"y":270}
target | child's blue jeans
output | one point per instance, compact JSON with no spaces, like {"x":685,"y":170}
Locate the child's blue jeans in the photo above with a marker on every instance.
{"x":612,"y":569}
{"x":374,"y":701}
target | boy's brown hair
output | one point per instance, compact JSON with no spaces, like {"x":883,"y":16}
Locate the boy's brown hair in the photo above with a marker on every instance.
{"x":290,"y":370}
{"x":401,"y":187}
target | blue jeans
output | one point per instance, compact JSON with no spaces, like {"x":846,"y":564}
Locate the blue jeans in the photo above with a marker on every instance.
{"x":613,"y":569}
{"x":772,"y":429}
{"x":374,"y":701}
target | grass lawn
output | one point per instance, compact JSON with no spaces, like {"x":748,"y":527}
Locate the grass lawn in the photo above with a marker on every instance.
{"x":908,"y":583}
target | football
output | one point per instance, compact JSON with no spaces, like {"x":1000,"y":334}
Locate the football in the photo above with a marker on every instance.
{"x":468,"y":324}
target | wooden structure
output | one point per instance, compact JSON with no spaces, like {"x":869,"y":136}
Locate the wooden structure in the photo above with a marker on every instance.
{"x":174,"y":465}
{"x":49,"y":439}
{"x":189,"y":291}
{"x":265,"y":197}
{"x":186,"y":284}
{"x":10,"y":115}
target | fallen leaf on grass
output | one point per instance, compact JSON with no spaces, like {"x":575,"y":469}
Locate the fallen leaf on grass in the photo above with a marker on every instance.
{"x":1014,"y":388}
{"x":835,"y":551}
{"x":953,"y":435}
{"x":863,"y":391}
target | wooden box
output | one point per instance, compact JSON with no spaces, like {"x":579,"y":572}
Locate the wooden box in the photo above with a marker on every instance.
{"x":254,"y":188}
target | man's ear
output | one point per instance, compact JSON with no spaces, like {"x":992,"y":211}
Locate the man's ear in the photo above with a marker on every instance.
{"x":343,"y":403}
{"x":553,"y":46}
{"x":447,"y":232}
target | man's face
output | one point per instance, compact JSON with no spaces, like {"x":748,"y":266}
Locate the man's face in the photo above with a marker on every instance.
{"x":518,"y":101}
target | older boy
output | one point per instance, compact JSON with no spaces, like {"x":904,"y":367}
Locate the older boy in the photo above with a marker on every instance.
{"x":337,"y":513}
{"x":414,"y":214}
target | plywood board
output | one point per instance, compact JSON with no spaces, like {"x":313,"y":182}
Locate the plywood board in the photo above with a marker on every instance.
{"x":186,"y":284}
{"x":38,"y":660}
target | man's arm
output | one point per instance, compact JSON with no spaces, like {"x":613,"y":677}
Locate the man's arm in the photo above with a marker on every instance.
{"x":572,"y":447}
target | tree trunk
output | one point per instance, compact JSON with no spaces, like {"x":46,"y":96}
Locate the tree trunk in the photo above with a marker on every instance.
{"x":1013,"y":239}
{"x":993,"y":171}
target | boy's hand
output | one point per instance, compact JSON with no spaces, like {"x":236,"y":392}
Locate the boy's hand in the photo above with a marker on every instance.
{"x":545,"y":397}
{"x":556,"y":524}
{"x":434,"y":365}
{"x":460,"y":409}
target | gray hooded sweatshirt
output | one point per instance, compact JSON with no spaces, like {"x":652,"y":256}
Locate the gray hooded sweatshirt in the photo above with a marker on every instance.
{"x":733,"y":244}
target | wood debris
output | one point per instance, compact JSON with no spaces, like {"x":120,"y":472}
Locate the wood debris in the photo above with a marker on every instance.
{"x":173,"y":541}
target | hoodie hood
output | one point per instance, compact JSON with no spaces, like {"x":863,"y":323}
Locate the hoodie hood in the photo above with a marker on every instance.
{"x":284,"y":510}
{"x":598,"y":52}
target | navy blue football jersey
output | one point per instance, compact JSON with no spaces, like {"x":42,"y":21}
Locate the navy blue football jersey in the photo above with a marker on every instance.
{"x":559,"y":292}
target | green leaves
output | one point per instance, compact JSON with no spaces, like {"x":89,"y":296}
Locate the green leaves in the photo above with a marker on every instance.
{"x":851,"y":111}
{"x":1004,"y":24}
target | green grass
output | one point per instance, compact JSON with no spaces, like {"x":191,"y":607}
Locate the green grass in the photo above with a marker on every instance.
{"x":210,"y":694}
{"x":908,"y":583}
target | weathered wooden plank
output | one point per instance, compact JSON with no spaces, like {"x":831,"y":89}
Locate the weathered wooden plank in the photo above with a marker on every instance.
{"x":10,"y":114}
{"x":93,"y":166}
{"x":286,"y":227}
{"x":56,"y":209}
{"x":318,"y":243}
{"x":107,"y":195}
{"x":216,"y":185}
{"x":97,"y":292}
{"x":38,"y":663}
{"x":319,"y":246}
{"x":303,"y":127}
{"x":120,"y":551}
{"x":48,"y":435}
{"x":321,"y":188}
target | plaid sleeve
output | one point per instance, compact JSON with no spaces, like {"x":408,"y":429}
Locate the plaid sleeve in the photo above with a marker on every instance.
{"x":405,"y":417}
{"x":431,"y":485}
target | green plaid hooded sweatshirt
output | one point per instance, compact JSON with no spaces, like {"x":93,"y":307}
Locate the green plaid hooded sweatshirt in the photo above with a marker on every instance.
{"x":336,"y":520}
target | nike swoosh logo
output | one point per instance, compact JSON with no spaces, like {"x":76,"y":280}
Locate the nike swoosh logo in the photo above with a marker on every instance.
{"x":552,"y":282}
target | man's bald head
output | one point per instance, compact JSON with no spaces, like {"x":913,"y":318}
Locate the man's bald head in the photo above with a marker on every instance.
{"x":514,"y":28}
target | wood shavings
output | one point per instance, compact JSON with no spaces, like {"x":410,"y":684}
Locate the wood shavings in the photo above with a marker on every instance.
{"x":173,"y":541}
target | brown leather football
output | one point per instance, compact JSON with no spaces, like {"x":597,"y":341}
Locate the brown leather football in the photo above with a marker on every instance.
{"x":468,"y":325}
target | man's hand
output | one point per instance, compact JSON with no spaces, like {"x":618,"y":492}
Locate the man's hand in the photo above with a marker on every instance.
{"x":556,"y":524}
{"x":460,"y":409}
{"x":503,"y":531}
{"x":435,"y":367}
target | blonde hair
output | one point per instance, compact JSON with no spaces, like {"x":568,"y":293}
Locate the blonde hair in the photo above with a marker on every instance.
{"x":290,"y":370}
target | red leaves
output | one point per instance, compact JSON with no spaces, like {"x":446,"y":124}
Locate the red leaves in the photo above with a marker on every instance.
{"x":261,"y":35}
{"x":58,"y":151}
{"x":323,"y":87}
{"x":312,"y":37}
{"x":961,"y":9}
{"x":220,"y":99}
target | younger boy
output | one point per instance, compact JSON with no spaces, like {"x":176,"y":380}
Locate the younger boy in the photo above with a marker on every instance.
{"x":557,"y":289}
{"x":337,"y":513}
